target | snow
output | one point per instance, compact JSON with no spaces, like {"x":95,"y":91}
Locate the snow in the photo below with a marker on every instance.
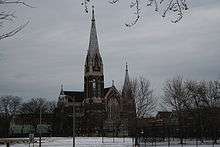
{"x":81,"y":142}
{"x":107,"y":142}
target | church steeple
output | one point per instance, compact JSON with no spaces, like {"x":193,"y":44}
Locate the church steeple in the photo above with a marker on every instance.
{"x":93,"y":41}
{"x":126,"y":81}
{"x":128,"y":107}
{"x":93,"y":78}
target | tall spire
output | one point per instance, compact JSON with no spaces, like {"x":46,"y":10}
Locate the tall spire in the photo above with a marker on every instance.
{"x":93,"y":42}
{"x":127,"y":81}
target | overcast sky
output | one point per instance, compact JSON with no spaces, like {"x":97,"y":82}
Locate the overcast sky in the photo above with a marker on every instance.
{"x":51,"y":50}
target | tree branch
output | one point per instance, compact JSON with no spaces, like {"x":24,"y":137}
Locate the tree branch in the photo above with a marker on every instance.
{"x":137,"y":13}
{"x":15,"y":2}
{"x":13,"y":32}
{"x":113,"y":1}
{"x":6,"y":17}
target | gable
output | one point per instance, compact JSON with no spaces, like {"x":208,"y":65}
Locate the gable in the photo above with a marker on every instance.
{"x":111,"y":92}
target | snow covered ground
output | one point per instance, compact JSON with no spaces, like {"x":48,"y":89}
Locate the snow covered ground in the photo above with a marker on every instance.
{"x":107,"y":142}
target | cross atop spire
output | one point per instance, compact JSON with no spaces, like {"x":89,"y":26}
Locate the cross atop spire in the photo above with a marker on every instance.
{"x":113,"y":83}
{"x":93,"y":13}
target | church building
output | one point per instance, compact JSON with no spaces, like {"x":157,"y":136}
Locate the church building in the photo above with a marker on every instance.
{"x":100,"y":111}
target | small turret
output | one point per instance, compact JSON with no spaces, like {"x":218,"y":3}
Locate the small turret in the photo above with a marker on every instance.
{"x":61,"y":96}
{"x":61,"y":91}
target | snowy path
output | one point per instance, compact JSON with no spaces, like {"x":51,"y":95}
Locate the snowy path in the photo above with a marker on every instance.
{"x":81,"y":142}
{"x":97,"y":142}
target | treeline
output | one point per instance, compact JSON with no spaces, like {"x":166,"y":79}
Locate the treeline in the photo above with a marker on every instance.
{"x":194,"y":104}
{"x":194,"y":107}
{"x":180,"y":94}
{"x":177,"y":95}
{"x":195,"y":112}
{"x":14,"y":105}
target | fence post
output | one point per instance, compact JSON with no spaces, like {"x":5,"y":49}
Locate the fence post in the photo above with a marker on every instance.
{"x":7,"y":144}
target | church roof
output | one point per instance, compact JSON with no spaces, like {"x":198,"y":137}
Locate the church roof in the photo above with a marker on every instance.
{"x":110,"y":90}
{"x":106,"y":90}
{"x":79,"y":95}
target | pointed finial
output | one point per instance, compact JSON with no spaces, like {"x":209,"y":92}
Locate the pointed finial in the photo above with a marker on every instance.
{"x":61,"y":87}
{"x":113,"y":83}
{"x":93,"y":13}
{"x":61,"y":91}
{"x":126,"y":66}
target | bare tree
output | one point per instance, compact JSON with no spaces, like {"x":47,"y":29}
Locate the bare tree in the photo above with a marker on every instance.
{"x":36,"y":107}
{"x":7,"y":17}
{"x":175,"y":8}
{"x":140,"y":94}
{"x":51,"y":106}
{"x":175,"y":94}
{"x":212,"y":93}
{"x":202,"y":105}
{"x":195,"y":99}
{"x":144,"y":99}
{"x":197,"y":94}
{"x":9,"y":105}
{"x":175,"y":97}
{"x":36,"y":104}
{"x":213,"y":96}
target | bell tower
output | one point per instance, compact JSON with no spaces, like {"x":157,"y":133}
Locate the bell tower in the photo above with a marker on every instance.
{"x":93,"y":72}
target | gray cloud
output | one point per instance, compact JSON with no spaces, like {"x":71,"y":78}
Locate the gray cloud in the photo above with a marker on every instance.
{"x":51,"y":50}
